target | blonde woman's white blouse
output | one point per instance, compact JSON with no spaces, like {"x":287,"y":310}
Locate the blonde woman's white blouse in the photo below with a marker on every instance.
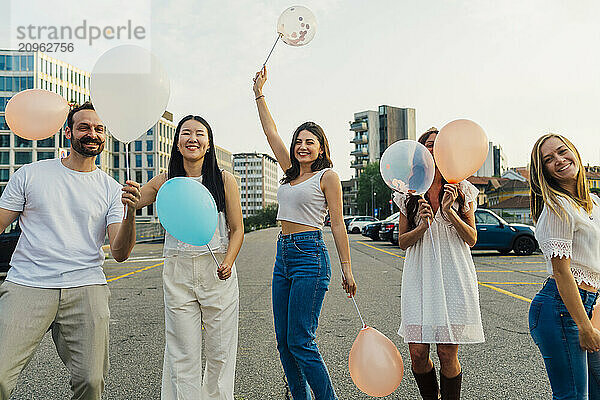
{"x":575,"y":235}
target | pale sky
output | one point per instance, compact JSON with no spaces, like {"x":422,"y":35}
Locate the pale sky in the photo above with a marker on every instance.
{"x":517,"y":68}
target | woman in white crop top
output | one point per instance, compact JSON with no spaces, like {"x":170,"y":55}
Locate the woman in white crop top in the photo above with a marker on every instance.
{"x":198,"y":294}
{"x":568,"y":232}
{"x":302,"y":268}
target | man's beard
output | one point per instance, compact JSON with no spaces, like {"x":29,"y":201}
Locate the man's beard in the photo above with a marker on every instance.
{"x":78,"y":146}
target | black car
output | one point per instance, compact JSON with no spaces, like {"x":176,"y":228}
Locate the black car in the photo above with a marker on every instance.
{"x":8,"y":242}
{"x":373,"y":230}
{"x":387,"y":228}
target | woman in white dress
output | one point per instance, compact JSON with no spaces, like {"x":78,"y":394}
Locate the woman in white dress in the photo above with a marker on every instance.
{"x":440,"y":299}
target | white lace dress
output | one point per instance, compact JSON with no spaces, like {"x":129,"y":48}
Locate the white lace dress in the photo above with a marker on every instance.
{"x":439,"y":294}
{"x":574,"y":234}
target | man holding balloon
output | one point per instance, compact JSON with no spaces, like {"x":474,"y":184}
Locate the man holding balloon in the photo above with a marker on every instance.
{"x":65,"y":208}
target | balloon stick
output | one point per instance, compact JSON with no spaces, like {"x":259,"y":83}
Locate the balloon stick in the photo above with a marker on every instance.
{"x":127,"y":169}
{"x":213,"y":256}
{"x":430,"y":235}
{"x":355,"y":305}
{"x":272,"y":48}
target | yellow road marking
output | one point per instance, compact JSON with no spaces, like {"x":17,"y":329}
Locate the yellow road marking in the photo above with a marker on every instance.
{"x":512,"y":283}
{"x":511,"y":270}
{"x":134,"y":272}
{"x":506,"y":292}
{"x":383,"y":251}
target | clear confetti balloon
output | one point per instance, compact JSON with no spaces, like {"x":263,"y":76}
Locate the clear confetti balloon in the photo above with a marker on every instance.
{"x":297,"y":26}
{"x":407,"y":167}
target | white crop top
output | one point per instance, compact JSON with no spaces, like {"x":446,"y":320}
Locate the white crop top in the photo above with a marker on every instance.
{"x":303,"y":203}
{"x":575,"y":236}
{"x":218,"y":244}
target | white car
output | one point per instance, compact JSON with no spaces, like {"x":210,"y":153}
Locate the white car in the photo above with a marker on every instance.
{"x":356,"y":224}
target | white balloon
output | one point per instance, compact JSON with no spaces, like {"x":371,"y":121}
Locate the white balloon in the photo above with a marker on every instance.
{"x":130,"y":91}
{"x":297,"y":25}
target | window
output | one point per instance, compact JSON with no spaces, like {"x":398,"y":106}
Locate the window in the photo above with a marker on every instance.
{"x":149,"y":145}
{"x":3,"y":101}
{"x":138,"y":176}
{"x":97,"y":161}
{"x":2,"y":63}
{"x":116,"y":175}
{"x":49,"y":142}
{"x":4,"y":157}
{"x":22,"y":157}
{"x":4,"y":174}
{"x":138,"y":212}
{"x":150,"y":131}
{"x":116,"y":146}
{"x":45,"y":155}
{"x":4,"y":140}
{"x":150,"y":174}
{"x":486,"y":218}
{"x":138,"y":145}
{"x":138,"y":161}
{"x":150,"y":160}
{"x":20,"y":142}
{"x":116,"y":161}
{"x":3,"y":124}
{"x":150,"y":209}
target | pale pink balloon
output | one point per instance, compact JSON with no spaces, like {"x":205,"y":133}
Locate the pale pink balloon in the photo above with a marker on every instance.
{"x":460,"y":149}
{"x":376,"y":366}
{"x":36,"y":114}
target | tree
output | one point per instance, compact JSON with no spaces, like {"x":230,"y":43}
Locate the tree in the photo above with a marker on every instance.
{"x":265,"y":218}
{"x":372,"y":188}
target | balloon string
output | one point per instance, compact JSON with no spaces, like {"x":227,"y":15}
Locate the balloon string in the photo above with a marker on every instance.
{"x":355,"y":305}
{"x":272,"y":48}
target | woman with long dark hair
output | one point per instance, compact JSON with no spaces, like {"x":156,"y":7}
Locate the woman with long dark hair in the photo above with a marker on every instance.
{"x":440,"y":300}
{"x":198,"y":294}
{"x":567,"y":220}
{"x":302,"y":268}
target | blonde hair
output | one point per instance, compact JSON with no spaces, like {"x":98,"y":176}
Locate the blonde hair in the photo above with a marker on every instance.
{"x":545,"y":190}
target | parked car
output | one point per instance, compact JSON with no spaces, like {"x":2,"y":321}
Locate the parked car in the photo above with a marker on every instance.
{"x":494,"y":233}
{"x":394,"y":235}
{"x":8,"y":242}
{"x":387,"y":228}
{"x":347,"y":221}
{"x":372,"y":230}
{"x":357,"y":223}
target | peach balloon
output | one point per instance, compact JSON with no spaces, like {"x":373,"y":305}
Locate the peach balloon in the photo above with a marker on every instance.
{"x":460,"y":149}
{"x":36,"y":114}
{"x":596,"y":317}
{"x":376,"y":366}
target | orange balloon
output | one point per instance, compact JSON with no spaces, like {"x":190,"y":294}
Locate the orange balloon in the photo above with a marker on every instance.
{"x":375,"y":363}
{"x":36,"y":114}
{"x":460,"y":149}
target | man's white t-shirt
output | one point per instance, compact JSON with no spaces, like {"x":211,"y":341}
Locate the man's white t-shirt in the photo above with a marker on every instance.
{"x":64,"y":216}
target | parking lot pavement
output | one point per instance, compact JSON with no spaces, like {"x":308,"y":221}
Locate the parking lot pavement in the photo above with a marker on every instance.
{"x":506,"y":366}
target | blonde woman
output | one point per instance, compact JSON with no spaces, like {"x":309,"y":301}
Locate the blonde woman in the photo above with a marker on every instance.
{"x":568,"y":231}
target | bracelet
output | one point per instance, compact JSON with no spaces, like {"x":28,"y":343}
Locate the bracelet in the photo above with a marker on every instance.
{"x":261,"y":96}
{"x":344,"y":262}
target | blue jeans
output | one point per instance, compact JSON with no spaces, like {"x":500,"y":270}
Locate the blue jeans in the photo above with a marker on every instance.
{"x":573,"y":372}
{"x":300,"y":279}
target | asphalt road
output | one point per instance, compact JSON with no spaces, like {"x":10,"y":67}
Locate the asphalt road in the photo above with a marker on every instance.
{"x":507,"y":366}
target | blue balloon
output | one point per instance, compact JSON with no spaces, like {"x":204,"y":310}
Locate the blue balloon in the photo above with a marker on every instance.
{"x":187,"y":210}
{"x":407,"y":166}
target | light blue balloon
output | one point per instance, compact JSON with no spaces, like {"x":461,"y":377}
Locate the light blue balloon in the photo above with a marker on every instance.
{"x":187,"y":210}
{"x":407,"y":166}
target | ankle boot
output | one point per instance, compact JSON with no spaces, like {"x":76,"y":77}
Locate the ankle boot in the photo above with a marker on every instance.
{"x":450,"y":387}
{"x":428,"y":385}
